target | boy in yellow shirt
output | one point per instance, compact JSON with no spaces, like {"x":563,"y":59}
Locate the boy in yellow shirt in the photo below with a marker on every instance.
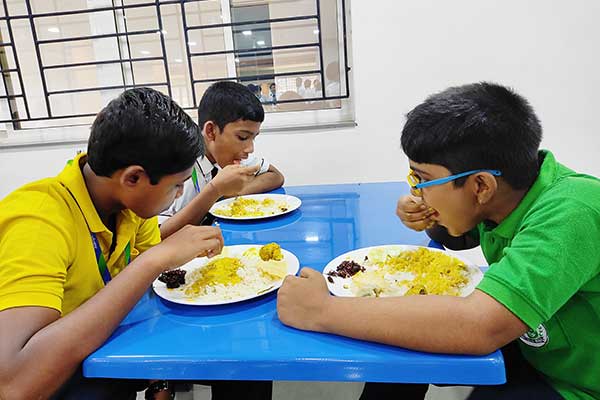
{"x":66,"y":242}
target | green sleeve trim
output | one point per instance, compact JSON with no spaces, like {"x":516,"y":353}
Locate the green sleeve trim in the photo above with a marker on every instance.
{"x":511,"y":299}
{"x":31,"y":299}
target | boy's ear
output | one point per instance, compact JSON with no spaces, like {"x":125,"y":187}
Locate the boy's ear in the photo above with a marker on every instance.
{"x":211,"y":130}
{"x":132,"y":176}
{"x":485,"y":186}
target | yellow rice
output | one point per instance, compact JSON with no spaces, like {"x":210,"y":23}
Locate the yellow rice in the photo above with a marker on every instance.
{"x":420,"y":271}
{"x":247,"y":207}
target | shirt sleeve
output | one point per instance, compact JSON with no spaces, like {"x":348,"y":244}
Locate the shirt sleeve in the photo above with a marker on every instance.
{"x":189,"y":192}
{"x":148,"y":235}
{"x":550,"y":258}
{"x":34,"y":257}
{"x":253,"y":160}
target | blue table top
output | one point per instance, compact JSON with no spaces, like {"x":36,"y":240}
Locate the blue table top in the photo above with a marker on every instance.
{"x":246,"y":341}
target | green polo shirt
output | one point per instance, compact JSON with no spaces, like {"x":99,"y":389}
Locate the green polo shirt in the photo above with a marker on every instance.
{"x":545,"y":267}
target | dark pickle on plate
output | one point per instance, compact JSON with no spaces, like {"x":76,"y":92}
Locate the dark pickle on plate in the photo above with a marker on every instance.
{"x":173,"y":279}
{"x":346,"y":269}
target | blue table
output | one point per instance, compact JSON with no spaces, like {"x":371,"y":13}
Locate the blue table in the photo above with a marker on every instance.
{"x":246,"y":341}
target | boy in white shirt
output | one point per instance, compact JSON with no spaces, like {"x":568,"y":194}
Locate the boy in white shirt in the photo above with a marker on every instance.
{"x":230,"y":117}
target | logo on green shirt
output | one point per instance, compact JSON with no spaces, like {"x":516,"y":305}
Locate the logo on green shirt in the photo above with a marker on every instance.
{"x":535,"y":338}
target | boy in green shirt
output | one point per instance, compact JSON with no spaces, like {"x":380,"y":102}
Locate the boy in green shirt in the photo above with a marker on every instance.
{"x":478,"y":178}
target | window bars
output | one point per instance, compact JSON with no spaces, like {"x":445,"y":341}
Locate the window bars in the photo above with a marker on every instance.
{"x":30,"y":84}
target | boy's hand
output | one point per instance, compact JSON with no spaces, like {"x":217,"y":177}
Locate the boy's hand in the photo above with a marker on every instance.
{"x":414,"y":213}
{"x":302,"y":301}
{"x":186,"y":244}
{"x":231,"y":180}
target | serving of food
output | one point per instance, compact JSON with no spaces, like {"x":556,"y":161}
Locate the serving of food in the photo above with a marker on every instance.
{"x":398,"y":270}
{"x":255,"y":206}
{"x":239,"y":273}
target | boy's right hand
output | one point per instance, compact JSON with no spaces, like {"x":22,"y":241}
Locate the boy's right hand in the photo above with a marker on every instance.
{"x":231,"y":180}
{"x":186,"y":244}
{"x":414,"y":213}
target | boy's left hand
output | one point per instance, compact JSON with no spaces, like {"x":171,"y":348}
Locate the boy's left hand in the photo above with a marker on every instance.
{"x":302,"y":301}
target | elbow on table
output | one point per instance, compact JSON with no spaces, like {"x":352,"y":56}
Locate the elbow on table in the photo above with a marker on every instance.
{"x":481,"y":348}
{"x":488,"y":324}
{"x":276,"y":179}
{"x":487,"y":339}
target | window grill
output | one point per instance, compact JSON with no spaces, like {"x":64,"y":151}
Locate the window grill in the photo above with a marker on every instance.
{"x":20,"y":88}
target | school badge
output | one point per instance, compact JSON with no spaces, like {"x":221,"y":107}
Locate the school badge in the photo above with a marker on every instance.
{"x":535,"y":337}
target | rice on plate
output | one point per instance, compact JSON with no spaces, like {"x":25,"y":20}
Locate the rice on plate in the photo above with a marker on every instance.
{"x":247,"y":207}
{"x":255,"y":206}
{"x":238,"y":273}
{"x":398,"y":270}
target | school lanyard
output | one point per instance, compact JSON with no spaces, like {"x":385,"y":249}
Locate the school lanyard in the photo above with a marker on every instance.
{"x":195,"y":180}
{"x":102,"y":267}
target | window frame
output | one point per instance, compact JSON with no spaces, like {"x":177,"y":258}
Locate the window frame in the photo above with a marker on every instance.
{"x":276,"y":122}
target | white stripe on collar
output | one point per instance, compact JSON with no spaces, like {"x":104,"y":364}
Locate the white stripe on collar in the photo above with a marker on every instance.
{"x":205,"y":166}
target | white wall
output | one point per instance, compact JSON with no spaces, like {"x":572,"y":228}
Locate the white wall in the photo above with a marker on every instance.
{"x":546,"y":49}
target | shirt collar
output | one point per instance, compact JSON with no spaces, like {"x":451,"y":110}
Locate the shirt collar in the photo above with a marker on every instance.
{"x":205,"y":166}
{"x":547,"y":175}
{"x":71,"y":177}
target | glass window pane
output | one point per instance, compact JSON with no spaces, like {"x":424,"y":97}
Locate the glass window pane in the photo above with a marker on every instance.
{"x":279,"y":44}
{"x":80,"y":103}
{"x":207,"y":39}
{"x":149,"y":72}
{"x":83,"y":77}
{"x":141,"y":19}
{"x":79,"y":51}
{"x":12,"y":83}
{"x":210,"y":67}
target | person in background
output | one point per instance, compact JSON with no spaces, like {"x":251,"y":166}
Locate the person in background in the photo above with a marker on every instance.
{"x":78,"y":250}
{"x":299,"y":86}
{"x":257,"y":92}
{"x":272,"y":93}
{"x":318,"y":88}
{"x":309,"y":93}
{"x":479,"y":178}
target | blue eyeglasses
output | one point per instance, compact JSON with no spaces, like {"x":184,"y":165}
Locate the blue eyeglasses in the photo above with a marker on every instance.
{"x":416,"y":184}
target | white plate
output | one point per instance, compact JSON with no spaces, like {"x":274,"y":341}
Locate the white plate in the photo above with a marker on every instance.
{"x":337,"y":287}
{"x":292,"y":203}
{"x":178,"y":296}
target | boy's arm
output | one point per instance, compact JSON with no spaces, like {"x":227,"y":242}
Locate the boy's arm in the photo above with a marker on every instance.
{"x":440,"y":234}
{"x":477,"y":324}
{"x":269,"y":180}
{"x":228,"y":182}
{"x":39,"y":350}
{"x":193,"y":213}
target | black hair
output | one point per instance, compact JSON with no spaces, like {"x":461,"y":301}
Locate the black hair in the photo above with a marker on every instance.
{"x":225,"y":101}
{"x":143,"y":127}
{"x":476,"y":126}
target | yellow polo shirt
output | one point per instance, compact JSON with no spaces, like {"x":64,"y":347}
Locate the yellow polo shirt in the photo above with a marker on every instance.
{"x":46,"y":254}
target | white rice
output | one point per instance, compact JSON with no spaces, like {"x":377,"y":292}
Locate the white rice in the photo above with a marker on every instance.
{"x":253,"y":282}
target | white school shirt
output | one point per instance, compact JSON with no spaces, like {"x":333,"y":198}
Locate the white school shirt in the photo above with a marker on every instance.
{"x":203,"y":168}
